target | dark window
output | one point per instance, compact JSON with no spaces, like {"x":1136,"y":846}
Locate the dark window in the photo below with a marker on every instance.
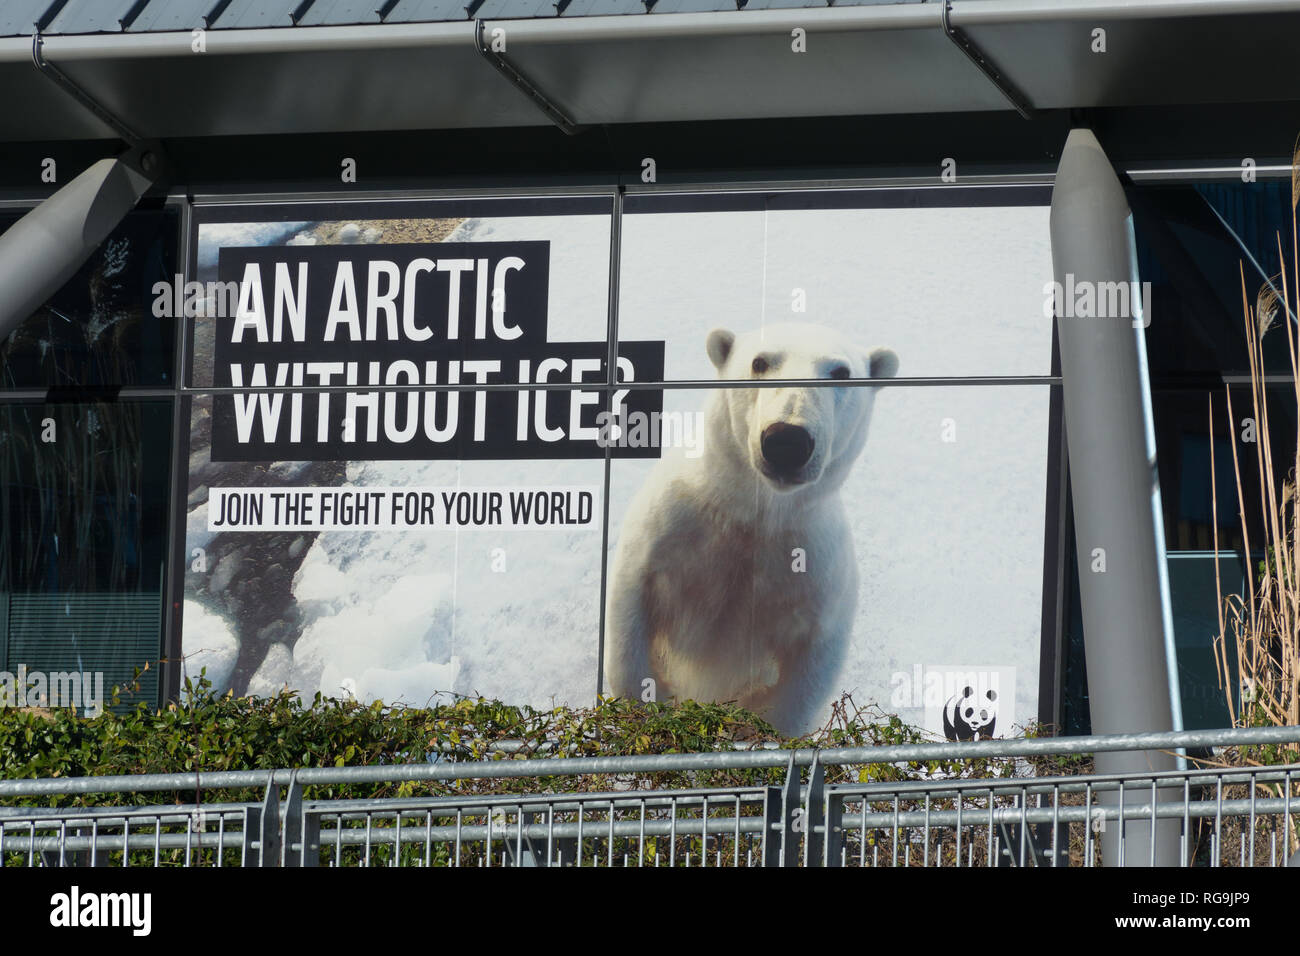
{"x":83,"y":530}
{"x":99,"y":329}
{"x":1203,"y":248}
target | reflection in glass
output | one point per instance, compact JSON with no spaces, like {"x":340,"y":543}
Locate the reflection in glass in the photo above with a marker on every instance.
{"x":99,"y":329}
{"x":83,"y":503}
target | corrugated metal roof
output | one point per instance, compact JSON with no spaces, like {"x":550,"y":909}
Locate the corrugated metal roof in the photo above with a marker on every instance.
{"x":155,"y":16}
{"x":166,"y":15}
{"x":603,"y":8}
{"x":90,"y":16}
{"x":427,"y":11}
{"x":17,"y":16}
{"x":249,"y":14}
{"x":340,"y":13}
{"x":695,"y":6}
{"x":515,"y":9}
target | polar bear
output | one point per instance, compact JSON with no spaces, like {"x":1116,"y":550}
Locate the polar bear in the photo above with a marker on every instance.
{"x":735,"y":577}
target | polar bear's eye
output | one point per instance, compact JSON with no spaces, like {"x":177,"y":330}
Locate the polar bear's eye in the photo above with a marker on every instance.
{"x":840,"y":371}
{"x":760,"y":365}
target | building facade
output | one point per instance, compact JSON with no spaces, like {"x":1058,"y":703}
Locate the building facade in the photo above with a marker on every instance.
{"x":543,"y":351}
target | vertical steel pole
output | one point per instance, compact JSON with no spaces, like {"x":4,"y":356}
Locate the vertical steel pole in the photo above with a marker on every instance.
{"x":1111,"y":476}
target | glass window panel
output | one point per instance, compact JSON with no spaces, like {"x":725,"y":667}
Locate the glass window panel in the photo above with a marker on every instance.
{"x":561,"y":277}
{"x":924,"y":565}
{"x":1196,"y":244}
{"x":951,"y":280}
{"x":84,"y":492}
{"x":100,"y":329}
{"x":403,"y":579}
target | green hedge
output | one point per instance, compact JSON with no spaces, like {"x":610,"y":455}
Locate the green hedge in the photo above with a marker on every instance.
{"x":208,"y":732}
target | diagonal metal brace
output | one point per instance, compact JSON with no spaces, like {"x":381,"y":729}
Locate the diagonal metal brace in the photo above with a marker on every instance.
{"x":145,"y":155}
{"x":507,"y":69}
{"x":70,"y":87}
{"x":983,"y":63}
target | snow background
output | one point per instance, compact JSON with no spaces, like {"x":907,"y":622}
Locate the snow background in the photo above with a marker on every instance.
{"x":954,"y":291}
{"x":949,"y":535}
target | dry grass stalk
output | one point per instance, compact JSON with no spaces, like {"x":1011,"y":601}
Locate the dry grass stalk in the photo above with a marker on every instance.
{"x":1260,"y":632}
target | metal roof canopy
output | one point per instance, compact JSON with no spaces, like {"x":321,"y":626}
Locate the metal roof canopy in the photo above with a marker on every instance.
{"x":663,"y":67}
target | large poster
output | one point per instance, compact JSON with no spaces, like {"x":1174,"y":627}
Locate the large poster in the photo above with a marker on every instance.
{"x":885,"y":542}
{"x":352,"y":530}
{"x":405,"y":418}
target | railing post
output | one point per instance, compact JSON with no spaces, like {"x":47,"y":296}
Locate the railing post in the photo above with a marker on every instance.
{"x":792,"y":814}
{"x":310,"y":837}
{"x":294,"y":850}
{"x":268,"y":826}
{"x":773,"y":827}
{"x":252,"y":832}
{"x":834,"y":829}
{"x":815,"y":839}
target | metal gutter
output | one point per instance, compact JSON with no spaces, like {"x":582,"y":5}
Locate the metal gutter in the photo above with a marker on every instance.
{"x":141,"y":46}
{"x":324,"y":39}
{"x":667,"y":26}
{"x":660,"y":25}
{"x":991,"y":12}
{"x":550,"y":29}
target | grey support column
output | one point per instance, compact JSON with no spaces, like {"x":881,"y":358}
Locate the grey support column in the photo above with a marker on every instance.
{"x":1112,"y":481}
{"x":44,"y":249}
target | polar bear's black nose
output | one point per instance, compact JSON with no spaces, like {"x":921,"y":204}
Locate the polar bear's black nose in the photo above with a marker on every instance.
{"x":787,"y":447}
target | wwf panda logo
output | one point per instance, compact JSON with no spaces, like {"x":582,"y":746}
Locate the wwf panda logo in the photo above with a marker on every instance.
{"x":968,"y":717}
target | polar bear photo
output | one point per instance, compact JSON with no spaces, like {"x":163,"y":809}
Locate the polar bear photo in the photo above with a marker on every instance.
{"x":735,"y":577}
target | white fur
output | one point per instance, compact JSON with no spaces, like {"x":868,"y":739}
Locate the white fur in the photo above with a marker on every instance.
{"x":704,"y":599}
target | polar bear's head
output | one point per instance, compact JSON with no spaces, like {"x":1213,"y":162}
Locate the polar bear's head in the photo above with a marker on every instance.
{"x":801,"y":436}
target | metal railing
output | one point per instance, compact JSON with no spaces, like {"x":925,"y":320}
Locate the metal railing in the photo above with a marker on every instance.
{"x":1219,"y":816}
{"x":1059,"y":821}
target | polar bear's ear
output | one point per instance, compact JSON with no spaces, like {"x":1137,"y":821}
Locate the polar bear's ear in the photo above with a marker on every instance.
{"x":719,"y":345}
{"x":882,"y":363}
